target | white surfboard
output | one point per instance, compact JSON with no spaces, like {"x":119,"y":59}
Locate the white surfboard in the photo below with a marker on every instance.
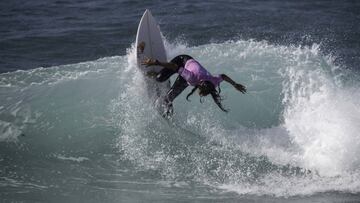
{"x":149,"y":44}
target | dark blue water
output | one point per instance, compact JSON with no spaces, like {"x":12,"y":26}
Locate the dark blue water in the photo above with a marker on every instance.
{"x":75,"y":125}
{"x":47,"y":33}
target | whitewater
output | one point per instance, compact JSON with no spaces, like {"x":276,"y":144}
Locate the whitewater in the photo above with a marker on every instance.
{"x":87,"y":131}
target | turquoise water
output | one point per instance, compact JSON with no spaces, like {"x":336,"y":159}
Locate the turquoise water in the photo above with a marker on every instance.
{"x":85,"y":132}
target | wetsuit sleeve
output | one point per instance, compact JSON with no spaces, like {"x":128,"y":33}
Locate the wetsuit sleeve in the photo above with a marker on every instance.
{"x":217,"y":80}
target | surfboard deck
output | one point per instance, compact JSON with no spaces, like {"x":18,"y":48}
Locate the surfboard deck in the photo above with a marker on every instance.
{"x":149,"y":44}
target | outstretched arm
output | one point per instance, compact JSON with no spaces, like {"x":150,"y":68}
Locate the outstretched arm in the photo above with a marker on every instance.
{"x":152,"y":62}
{"x":238,"y":86}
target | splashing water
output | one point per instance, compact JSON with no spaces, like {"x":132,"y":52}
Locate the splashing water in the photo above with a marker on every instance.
{"x":294,"y":133}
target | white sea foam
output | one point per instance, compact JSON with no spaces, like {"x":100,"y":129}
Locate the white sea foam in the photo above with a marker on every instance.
{"x":295,"y":130}
{"x":70,"y":158}
{"x":297,"y":113}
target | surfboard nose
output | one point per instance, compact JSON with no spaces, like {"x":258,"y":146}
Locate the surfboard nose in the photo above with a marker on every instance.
{"x":147,"y":12}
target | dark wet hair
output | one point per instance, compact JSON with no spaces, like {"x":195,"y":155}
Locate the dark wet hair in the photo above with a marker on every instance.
{"x":206,"y":88}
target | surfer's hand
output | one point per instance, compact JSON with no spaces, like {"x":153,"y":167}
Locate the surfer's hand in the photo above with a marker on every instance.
{"x":149,"y":62}
{"x":240,"y":87}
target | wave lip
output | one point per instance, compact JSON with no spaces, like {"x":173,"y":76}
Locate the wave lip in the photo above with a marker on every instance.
{"x":321,"y":114}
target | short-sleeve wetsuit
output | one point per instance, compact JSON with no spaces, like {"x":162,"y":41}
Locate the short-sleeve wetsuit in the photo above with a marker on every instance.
{"x":190,"y":73}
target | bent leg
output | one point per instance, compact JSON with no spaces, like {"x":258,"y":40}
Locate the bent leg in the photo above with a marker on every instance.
{"x":179,"y":85}
{"x":164,"y":75}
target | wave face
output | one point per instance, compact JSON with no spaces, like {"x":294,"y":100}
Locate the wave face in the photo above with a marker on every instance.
{"x":90,"y":127}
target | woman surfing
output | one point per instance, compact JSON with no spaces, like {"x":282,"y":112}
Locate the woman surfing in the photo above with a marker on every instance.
{"x":192,"y":73}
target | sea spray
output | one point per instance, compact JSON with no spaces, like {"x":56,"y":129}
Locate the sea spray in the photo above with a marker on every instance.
{"x":255,"y":137}
{"x":296,"y":127}
{"x":321,"y":114}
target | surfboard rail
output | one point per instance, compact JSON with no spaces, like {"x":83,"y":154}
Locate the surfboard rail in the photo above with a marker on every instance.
{"x":149,"y":44}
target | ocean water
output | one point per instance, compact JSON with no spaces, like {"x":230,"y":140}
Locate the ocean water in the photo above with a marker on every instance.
{"x":75,"y":125}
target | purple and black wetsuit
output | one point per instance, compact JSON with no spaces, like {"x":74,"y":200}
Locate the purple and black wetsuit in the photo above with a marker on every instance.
{"x":190,"y":73}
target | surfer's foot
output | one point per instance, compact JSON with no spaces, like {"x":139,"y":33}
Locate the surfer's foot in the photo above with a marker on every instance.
{"x":168,"y":110}
{"x":164,"y":107}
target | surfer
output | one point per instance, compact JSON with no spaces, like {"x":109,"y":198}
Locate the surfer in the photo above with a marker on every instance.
{"x":191,"y":72}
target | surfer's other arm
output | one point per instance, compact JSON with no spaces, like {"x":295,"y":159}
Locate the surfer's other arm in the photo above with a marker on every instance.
{"x":154,"y":62}
{"x":237,"y":86}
